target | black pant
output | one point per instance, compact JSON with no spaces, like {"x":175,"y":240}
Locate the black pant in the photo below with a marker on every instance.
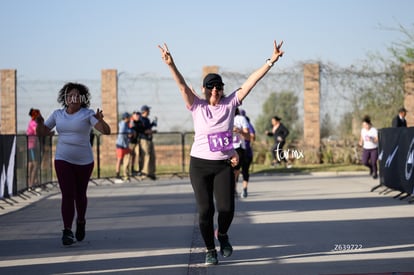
{"x":213,"y":179}
{"x":247,"y":161}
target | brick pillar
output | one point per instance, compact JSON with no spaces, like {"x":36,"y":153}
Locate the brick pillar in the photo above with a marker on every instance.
{"x":8,"y":110}
{"x":409,"y":93}
{"x":210,"y":69}
{"x":109,"y":94}
{"x":311,"y":131}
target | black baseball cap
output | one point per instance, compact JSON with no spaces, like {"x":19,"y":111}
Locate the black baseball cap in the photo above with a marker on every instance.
{"x":212,"y":79}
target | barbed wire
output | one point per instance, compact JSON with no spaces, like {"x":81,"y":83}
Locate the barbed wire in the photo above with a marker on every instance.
{"x":339,"y":89}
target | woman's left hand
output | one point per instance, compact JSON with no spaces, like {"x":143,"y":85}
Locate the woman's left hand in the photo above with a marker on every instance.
{"x":165,"y":54}
{"x":101,"y":126}
{"x":99,"y":114}
{"x":277,"y":52}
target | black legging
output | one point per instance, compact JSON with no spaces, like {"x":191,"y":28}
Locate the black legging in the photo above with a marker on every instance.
{"x":213,"y":179}
{"x":247,"y":161}
{"x":244,"y":163}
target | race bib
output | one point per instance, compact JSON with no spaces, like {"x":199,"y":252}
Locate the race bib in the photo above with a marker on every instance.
{"x":222,"y":141}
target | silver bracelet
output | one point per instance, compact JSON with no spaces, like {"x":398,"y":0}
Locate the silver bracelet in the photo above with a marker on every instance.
{"x":269,"y":63}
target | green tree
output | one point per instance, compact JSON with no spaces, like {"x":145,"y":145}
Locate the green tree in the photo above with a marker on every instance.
{"x":385,"y":93}
{"x":403,"y":50}
{"x":327,"y":126}
{"x":283,"y":105}
{"x":345,"y":125}
{"x":382,"y":100}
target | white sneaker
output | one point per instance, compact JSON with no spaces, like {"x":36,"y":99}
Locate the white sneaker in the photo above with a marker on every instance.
{"x":118,"y":181}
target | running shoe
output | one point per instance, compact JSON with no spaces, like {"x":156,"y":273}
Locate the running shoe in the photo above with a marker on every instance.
{"x":211,"y":257}
{"x":80,"y":230}
{"x":67,"y":238}
{"x":244,"y":193}
{"x":225,"y":247}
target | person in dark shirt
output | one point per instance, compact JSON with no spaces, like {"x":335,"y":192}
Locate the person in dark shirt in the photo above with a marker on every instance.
{"x":135,"y":160}
{"x":399,"y":120}
{"x":147,"y":146}
{"x":279,"y":132}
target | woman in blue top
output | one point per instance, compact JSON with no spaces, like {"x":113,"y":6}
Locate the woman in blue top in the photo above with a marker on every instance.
{"x":74,"y":158}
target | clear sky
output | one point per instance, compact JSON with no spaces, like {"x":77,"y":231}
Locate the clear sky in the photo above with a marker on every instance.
{"x":75,"y":39}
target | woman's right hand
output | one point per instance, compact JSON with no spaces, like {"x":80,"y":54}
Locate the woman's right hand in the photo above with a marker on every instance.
{"x":234,"y":160}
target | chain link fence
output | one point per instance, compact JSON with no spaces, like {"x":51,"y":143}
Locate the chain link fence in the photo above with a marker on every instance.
{"x":339,"y":96}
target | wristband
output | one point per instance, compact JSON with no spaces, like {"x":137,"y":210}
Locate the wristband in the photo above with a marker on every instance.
{"x":269,"y":63}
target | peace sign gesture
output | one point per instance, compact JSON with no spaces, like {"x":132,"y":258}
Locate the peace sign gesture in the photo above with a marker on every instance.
{"x":165,"y":54}
{"x":277,"y":52}
{"x":99,"y":114}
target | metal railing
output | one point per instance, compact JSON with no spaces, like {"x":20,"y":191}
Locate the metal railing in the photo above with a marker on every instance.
{"x":171,"y":150}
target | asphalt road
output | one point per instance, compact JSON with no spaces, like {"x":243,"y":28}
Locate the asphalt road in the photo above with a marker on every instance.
{"x":289,"y":224}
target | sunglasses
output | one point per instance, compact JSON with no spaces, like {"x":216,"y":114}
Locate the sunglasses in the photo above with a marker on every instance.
{"x":217,"y":85}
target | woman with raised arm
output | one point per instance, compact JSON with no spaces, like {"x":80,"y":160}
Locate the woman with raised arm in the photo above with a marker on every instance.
{"x":73,"y":158}
{"x":212,"y":154}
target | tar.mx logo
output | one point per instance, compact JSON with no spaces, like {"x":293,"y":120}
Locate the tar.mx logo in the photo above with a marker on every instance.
{"x":288,"y":154}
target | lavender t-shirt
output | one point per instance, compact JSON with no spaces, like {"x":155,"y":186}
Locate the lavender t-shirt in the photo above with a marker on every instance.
{"x":74,"y":135}
{"x":212,"y":120}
